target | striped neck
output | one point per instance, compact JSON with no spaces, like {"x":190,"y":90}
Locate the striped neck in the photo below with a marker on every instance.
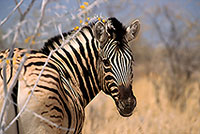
{"x":78,"y":63}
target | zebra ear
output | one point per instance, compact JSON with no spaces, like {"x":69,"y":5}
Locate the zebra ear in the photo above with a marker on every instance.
{"x":100,"y":32}
{"x":132,"y":30}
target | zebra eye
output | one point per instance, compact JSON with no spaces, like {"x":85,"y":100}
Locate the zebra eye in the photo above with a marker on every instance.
{"x":106,"y":62}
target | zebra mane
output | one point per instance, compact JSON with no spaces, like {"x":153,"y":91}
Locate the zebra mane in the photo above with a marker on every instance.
{"x":49,"y":44}
{"x":116,"y":30}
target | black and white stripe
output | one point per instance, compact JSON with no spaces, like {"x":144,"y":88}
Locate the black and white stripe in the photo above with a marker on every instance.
{"x":97,"y":58}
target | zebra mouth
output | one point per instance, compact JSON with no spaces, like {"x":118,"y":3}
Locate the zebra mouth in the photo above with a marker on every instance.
{"x":125,"y":109}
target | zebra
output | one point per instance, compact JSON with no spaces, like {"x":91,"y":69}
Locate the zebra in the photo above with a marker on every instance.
{"x":97,"y":57}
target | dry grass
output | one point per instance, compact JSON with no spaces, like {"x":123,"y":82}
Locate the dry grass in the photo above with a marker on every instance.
{"x":149,"y":117}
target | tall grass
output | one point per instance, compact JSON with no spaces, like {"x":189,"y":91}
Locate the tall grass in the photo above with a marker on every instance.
{"x":149,"y":117}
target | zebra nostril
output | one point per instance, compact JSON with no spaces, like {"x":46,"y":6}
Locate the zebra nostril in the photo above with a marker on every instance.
{"x":129,"y":100}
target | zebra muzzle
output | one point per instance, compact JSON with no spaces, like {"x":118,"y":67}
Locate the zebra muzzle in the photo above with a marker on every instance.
{"x":125,"y":107}
{"x":127,"y":102}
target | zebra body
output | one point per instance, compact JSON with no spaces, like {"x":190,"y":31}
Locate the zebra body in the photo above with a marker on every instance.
{"x":96,"y":58}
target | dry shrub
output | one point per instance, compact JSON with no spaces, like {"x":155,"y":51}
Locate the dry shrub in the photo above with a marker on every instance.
{"x":173,"y":65}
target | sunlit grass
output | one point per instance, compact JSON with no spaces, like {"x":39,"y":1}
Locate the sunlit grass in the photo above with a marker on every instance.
{"x":149,"y":117}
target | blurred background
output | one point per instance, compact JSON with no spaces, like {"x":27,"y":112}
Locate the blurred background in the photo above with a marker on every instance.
{"x":166,"y":51}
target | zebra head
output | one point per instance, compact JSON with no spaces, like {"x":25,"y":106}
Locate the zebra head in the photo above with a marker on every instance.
{"x":117,"y":62}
